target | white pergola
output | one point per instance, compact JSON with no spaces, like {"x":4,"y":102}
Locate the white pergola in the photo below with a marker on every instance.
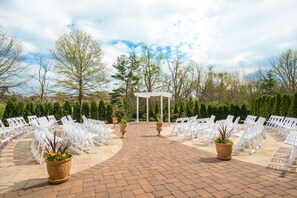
{"x":147,"y":95}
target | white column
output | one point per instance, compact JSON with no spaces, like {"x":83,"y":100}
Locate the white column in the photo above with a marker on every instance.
{"x":168,"y":109}
{"x":137,"y":109}
{"x":162,"y":108}
{"x":147,"y":109}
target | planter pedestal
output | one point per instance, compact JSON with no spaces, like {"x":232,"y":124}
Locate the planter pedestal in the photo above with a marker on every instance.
{"x":59,"y":171}
{"x":123,"y":130}
{"x":224,"y":151}
{"x":159,"y":127}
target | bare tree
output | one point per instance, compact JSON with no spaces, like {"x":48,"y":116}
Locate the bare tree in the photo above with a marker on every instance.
{"x":42,"y":77}
{"x":150,"y":65}
{"x":79,"y":62}
{"x":11,"y":57}
{"x":285,"y":69}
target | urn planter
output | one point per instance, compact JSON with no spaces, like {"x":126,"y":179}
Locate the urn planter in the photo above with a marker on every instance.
{"x":59,"y":171}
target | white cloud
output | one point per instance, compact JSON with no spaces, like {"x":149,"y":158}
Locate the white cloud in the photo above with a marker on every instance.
{"x":225,"y":33}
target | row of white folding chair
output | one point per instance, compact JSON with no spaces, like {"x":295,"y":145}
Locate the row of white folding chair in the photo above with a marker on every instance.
{"x":98,"y":127}
{"x":287,"y":125}
{"x":253,"y":137}
{"x":250,"y":119}
{"x":52,"y":120}
{"x":69,"y":118}
{"x":178,"y":124}
{"x":18,"y":125}
{"x":274,"y":122}
{"x":79,"y":137}
{"x":38,"y":144}
{"x":32,"y":118}
{"x":210,"y":134}
{"x":5,"y":134}
{"x":292,"y":140}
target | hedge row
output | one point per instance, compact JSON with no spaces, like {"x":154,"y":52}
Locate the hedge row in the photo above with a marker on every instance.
{"x":280,"y":105}
{"x":94,"y":110}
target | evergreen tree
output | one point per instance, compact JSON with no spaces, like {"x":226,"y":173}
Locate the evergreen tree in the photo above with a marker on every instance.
{"x":271,"y":104}
{"x":196,"y":109}
{"x":220,"y":113}
{"x":67,"y":109}
{"x":109,"y":112}
{"x":39,"y":110}
{"x":293,"y":106}
{"x":232,"y":109}
{"x":10,"y":110}
{"x":94,"y":112}
{"x":203,"y":111}
{"x":57,"y":111}
{"x":210,"y":110}
{"x":243,"y":112}
{"x":236,"y":112}
{"x":156,"y":110}
{"x":190,"y":106}
{"x":101,"y":110}
{"x":285,"y":105}
{"x":20,"y":109}
{"x":29,"y":110}
{"x":225,"y":111}
{"x":151,"y":112}
{"x":175,"y":111}
{"x":181,"y":109}
{"x":77,"y":112}
{"x":276,"y":108}
{"x":48,"y":109}
{"x":85,"y":109}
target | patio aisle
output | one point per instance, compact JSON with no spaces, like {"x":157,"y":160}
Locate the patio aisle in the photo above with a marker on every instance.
{"x":151,"y":166}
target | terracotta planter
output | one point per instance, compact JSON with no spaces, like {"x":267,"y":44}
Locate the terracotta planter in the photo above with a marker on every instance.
{"x":114,"y":121}
{"x":59,"y":171}
{"x":224,"y":151}
{"x":159,"y":127}
{"x":123,"y":130}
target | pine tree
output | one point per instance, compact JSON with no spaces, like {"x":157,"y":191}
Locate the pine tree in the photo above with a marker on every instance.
{"x":209,"y":110}
{"x":109,"y":113}
{"x":57,"y":111}
{"x":10,"y":110}
{"x":39,"y":110}
{"x":67,"y":110}
{"x":77,"y":112}
{"x":243,"y":112}
{"x":20,"y":109}
{"x":276,"y":108}
{"x":101,"y":110}
{"x":196,"y":109}
{"x":293,"y":106}
{"x":182,"y":109}
{"x":236,"y":112}
{"x":226,"y":111}
{"x":220,"y":113}
{"x":190,"y":106}
{"x":48,"y":108}
{"x":203,"y":111}
{"x":29,"y":110}
{"x":285,"y":105}
{"x":271,"y":104}
{"x":85,"y":109}
{"x":94,"y":110}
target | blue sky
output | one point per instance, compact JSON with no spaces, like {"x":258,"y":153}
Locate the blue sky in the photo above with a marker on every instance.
{"x":231,"y":35}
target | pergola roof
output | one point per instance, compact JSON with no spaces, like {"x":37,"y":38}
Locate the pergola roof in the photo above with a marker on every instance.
{"x":150,"y":94}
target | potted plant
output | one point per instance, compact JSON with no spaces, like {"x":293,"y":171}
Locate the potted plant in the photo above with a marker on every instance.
{"x":159,"y":124}
{"x":58,"y":160}
{"x":223,"y":143}
{"x":114,"y":121}
{"x":123,"y":124}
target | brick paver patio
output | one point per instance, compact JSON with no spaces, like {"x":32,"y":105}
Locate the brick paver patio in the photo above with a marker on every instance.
{"x":151,"y":166}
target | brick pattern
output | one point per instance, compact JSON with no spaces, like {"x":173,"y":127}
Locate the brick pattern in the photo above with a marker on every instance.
{"x":151,"y":166}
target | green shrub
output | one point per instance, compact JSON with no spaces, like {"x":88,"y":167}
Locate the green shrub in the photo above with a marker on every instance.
{"x":181,"y":108}
{"x":39,"y":110}
{"x":94,"y":110}
{"x":243,"y":112}
{"x":101,"y":110}
{"x":285,"y":105}
{"x":2,"y":108}
{"x":293,"y":106}
{"x":77,"y":112}
{"x":209,"y":110}
{"x":85,"y":109}
{"x":57,"y":111}
{"x":29,"y":110}
{"x":48,"y":109}
{"x":203,"y":111}
{"x":277,"y":103}
{"x":10,"y":110}
{"x":67,"y":110}
{"x":109,"y":113}
{"x":20,"y":108}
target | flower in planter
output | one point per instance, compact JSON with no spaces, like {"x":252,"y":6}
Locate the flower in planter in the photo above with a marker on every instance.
{"x":123,"y":122}
{"x":57,"y":151}
{"x":224,"y":135}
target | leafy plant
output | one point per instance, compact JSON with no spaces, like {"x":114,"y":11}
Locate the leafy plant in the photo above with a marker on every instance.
{"x":123,"y":121}
{"x":224,"y":135}
{"x":159,"y":119}
{"x":57,"y":151}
